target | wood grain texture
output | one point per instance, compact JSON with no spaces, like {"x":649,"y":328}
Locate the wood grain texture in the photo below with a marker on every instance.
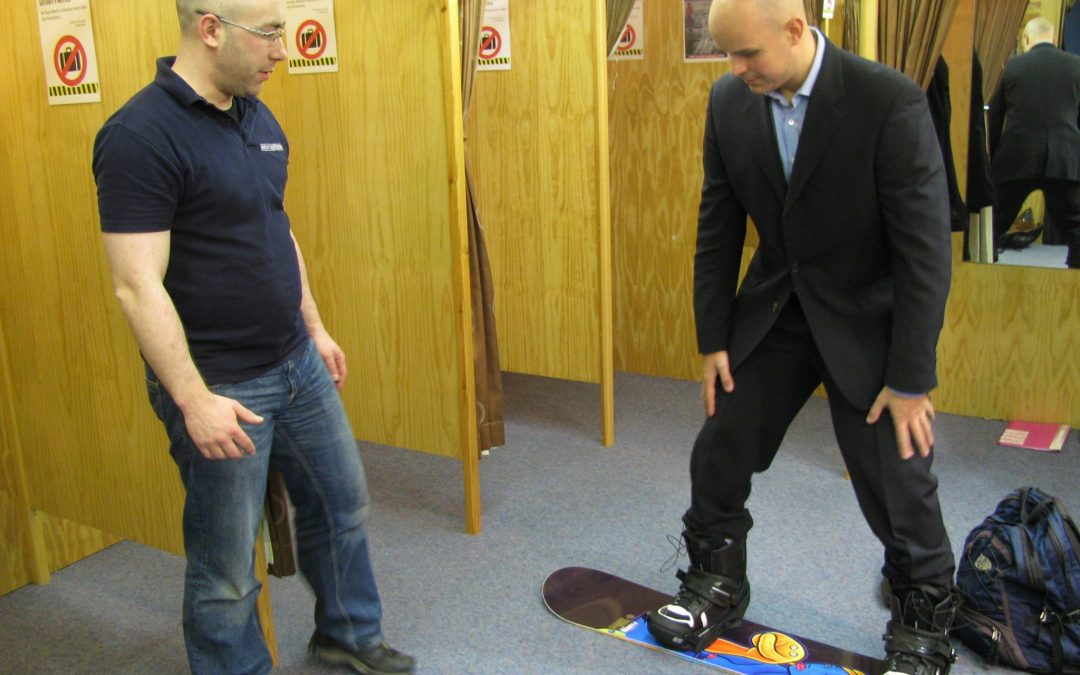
{"x":657,"y":120}
{"x":453,"y":106}
{"x":1008,"y":349}
{"x":606,"y":341}
{"x":67,"y":542}
{"x":93,"y":452}
{"x":532,"y":147}
{"x":369,"y":198}
{"x":16,"y":545}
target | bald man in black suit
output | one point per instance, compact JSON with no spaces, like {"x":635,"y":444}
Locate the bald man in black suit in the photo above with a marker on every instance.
{"x":836,"y":161}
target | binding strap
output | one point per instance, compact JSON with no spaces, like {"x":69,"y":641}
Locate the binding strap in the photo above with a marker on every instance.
{"x":919,"y":643}
{"x":717,"y":589}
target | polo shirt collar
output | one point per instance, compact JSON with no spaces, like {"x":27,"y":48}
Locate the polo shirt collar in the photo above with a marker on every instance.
{"x":167,"y":79}
{"x":178,"y":88}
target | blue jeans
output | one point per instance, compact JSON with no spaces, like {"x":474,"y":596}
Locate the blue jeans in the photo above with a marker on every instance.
{"x":306,"y":436}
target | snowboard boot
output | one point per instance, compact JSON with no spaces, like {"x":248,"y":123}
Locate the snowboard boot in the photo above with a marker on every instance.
{"x":917,"y":637}
{"x":713,"y":596}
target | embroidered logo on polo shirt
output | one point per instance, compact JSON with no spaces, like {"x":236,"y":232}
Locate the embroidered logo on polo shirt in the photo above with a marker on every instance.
{"x":272,"y":147}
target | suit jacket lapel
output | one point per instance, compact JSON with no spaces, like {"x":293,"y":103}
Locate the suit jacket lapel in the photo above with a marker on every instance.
{"x":822,"y":120}
{"x":762,"y":138}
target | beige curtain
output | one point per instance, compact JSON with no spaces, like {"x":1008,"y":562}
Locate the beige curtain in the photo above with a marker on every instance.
{"x":618,"y":11}
{"x":488,"y":374}
{"x":911,"y":34}
{"x":813,"y":11}
{"x":997,"y":25}
{"x":851,"y":26}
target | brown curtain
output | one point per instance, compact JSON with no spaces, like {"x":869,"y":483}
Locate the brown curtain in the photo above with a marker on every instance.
{"x":813,"y":11}
{"x":851,"y":26}
{"x":618,"y":11}
{"x":911,"y":34}
{"x":997,"y":25}
{"x":488,"y":374}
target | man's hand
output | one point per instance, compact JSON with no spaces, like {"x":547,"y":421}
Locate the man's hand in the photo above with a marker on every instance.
{"x":913,"y":418}
{"x":713,"y":365}
{"x":213,"y":422}
{"x":332,"y":356}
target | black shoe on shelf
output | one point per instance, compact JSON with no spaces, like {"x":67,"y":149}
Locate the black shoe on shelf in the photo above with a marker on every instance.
{"x":378,"y":660}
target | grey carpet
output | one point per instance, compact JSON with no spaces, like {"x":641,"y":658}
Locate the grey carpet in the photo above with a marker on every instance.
{"x":553,"y":496}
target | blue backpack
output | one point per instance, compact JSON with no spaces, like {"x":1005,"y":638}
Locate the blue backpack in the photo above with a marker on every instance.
{"x":1019,"y":582}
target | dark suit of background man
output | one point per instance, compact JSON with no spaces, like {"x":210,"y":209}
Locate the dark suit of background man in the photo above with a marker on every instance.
{"x":1038,"y":102}
{"x":847,"y":287}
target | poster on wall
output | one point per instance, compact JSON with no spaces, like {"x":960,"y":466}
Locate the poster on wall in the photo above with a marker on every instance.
{"x":310,"y":36}
{"x":631,"y":44}
{"x":698,"y":45}
{"x":494,"y":49}
{"x":67,"y":47}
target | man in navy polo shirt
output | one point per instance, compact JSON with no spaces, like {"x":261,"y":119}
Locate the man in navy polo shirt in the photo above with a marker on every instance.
{"x":240,"y":369}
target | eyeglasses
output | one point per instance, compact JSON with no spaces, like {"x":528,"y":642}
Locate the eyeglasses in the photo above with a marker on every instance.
{"x":268,"y":35}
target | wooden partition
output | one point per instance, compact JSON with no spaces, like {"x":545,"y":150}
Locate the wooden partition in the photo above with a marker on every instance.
{"x":18,"y":549}
{"x":371,"y":175}
{"x":657,"y":112}
{"x":538,"y":158}
{"x":375,"y":197}
{"x":92,"y":452}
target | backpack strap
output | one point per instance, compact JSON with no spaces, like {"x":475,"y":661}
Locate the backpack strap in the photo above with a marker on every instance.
{"x":1057,"y":623}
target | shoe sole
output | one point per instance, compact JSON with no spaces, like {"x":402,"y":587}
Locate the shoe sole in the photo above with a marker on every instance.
{"x":335,"y":657}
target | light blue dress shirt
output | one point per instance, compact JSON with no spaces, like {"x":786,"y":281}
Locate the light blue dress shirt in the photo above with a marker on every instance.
{"x":788,"y":117}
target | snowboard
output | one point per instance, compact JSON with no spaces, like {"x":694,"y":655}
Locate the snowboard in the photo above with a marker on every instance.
{"x":614,"y":606}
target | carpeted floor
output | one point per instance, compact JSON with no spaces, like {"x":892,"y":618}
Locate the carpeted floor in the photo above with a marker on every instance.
{"x":552,"y":497}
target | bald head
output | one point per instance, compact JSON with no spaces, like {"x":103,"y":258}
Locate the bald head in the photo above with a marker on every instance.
{"x":1037,"y":31}
{"x":774,"y":12}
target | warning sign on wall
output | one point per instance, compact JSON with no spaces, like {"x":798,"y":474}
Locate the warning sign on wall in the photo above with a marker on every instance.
{"x":310,"y":37}
{"x":631,"y":44}
{"x":494,"y":48}
{"x":67,"y":47}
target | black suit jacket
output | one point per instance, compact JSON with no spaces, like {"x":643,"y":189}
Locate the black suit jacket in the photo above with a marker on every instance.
{"x":1033,"y":117}
{"x":861,"y":234}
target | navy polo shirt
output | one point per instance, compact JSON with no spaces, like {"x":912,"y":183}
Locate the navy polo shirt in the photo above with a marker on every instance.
{"x":169,"y":160}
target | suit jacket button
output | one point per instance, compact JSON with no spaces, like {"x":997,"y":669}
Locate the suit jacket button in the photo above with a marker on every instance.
{"x":775,"y":307}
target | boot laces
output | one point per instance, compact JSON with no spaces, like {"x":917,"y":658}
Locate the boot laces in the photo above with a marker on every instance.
{"x":679,"y":551}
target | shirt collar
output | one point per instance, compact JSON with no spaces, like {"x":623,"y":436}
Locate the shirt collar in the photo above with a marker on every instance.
{"x":178,"y":88}
{"x":167,"y":79}
{"x":815,"y":69}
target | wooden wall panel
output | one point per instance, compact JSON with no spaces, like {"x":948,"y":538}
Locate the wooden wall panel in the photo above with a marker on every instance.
{"x":532,"y":148}
{"x":66,"y":542}
{"x":657,"y":113}
{"x":15,"y":544}
{"x":93,"y":452}
{"x":369,"y":198}
{"x":1008,"y":350}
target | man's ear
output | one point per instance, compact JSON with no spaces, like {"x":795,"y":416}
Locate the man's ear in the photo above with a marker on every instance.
{"x":210,"y":30}
{"x":795,"y":28}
